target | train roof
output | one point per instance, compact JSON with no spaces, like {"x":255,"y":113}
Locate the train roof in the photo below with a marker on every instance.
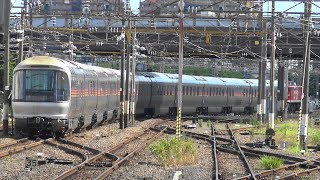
{"x":186,"y":79}
{"x":61,"y":64}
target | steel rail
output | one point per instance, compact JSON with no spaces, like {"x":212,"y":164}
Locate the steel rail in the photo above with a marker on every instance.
{"x":293,"y":158}
{"x":22,"y":148}
{"x":288,"y":167}
{"x":214,"y":144}
{"x":252,"y":174}
{"x":303,"y":173}
{"x":82,"y":165}
{"x":198,"y":136}
{"x":294,"y":161}
{"x":94,"y":151}
{"x":13,"y":143}
{"x":68,"y":150}
{"x":130,"y":155}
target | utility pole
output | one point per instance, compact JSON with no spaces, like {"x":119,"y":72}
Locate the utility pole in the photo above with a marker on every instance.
{"x":285,"y":96}
{"x":6,"y":84}
{"x":281,"y":85}
{"x":126,"y":101}
{"x":123,"y":54}
{"x":272,"y":74}
{"x":263,"y":73}
{"x":22,"y":33}
{"x":317,"y":89}
{"x":133,"y":80}
{"x":305,"y":100}
{"x":259,"y":113}
{"x":181,"y":39}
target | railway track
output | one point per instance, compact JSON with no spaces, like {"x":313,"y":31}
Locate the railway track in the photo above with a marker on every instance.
{"x":296,"y":166}
{"x":19,"y":145}
{"x":103,"y":164}
{"x":70,"y":147}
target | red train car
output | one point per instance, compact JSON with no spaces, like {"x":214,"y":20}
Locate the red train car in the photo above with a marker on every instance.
{"x":294,"y":97}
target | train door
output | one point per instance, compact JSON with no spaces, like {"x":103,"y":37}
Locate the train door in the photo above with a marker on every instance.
{"x":227,"y":98}
{"x":204,"y":95}
{"x":82,"y":93}
{"x":250,"y":95}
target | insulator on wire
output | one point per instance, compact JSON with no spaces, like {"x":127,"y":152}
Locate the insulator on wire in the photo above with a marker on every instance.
{"x":53,"y":21}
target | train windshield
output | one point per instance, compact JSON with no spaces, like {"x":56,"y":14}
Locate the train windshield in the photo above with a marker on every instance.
{"x":38,"y":85}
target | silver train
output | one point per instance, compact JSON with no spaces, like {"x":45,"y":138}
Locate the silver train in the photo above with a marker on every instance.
{"x":53,"y":96}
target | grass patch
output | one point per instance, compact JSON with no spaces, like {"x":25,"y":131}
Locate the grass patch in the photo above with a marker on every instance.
{"x":293,"y":149}
{"x":270,"y":162}
{"x":172,"y":151}
{"x":200,"y":122}
{"x":209,"y":123}
{"x":314,"y":136}
{"x":254,"y":122}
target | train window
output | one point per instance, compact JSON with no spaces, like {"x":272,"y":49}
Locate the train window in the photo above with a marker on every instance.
{"x":43,"y":86}
{"x":18,"y":83}
{"x":90,"y":87}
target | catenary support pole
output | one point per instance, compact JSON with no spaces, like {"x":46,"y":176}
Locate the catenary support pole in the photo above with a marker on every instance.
{"x":133,"y":81}
{"x":181,"y":39}
{"x":259,"y":112}
{"x":123,"y":54}
{"x":272,"y":69}
{"x":285,"y":96}
{"x":263,"y":73}
{"x":305,"y":100}
{"x":127,"y":89}
{"x":281,"y":85}
{"x":20,"y":58}
{"x":6,"y":84}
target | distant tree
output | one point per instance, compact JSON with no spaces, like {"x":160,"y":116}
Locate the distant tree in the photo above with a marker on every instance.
{"x":230,"y":74}
{"x":12,"y":65}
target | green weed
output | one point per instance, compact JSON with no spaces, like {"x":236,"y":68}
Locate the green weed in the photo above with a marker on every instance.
{"x":254,"y":122}
{"x":293,"y":150}
{"x":270,"y":162}
{"x":172,"y":151}
{"x":200,"y":122}
{"x":209,"y":123}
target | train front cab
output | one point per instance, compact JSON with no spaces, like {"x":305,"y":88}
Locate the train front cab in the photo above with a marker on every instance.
{"x":41,"y":96}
